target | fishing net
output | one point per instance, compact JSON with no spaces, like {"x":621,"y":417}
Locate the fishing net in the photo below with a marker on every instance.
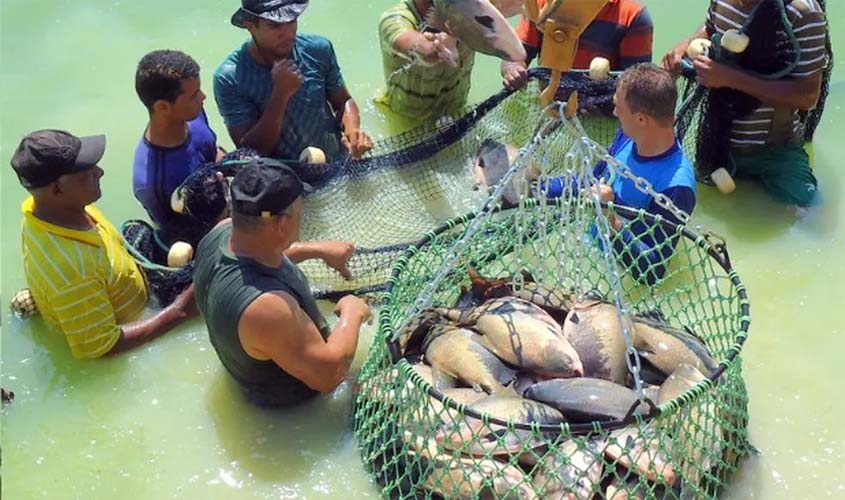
{"x":408,"y":184}
{"x":705,"y":116}
{"x":164,"y":282}
{"x":411,"y":183}
{"x":422,"y":435}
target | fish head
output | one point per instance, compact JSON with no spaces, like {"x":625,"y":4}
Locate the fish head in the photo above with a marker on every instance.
{"x":479,"y":25}
{"x":565,"y":359}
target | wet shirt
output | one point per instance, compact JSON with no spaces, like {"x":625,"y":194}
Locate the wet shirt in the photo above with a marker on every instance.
{"x":809,"y":24}
{"x":85,"y":283}
{"x":226,"y":285}
{"x":622,"y":33}
{"x":242,"y":88}
{"x":158,"y":171}
{"x":412,"y":89}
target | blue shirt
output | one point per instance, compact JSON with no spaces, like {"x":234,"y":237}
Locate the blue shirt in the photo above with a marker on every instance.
{"x":645,"y":248}
{"x":158,"y":171}
{"x":242,"y":88}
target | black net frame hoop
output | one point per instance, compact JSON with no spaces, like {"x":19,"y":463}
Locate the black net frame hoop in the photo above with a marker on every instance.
{"x":712,"y":245}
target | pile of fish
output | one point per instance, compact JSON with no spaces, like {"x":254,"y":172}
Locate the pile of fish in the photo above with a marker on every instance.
{"x":537,"y":355}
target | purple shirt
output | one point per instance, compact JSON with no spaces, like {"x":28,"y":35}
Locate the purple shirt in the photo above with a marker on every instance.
{"x":158,"y":171}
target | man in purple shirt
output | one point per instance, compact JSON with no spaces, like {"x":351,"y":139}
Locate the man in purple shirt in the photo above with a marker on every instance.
{"x":177,"y":140}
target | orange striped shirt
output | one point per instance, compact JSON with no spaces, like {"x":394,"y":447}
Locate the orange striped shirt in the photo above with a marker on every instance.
{"x":622,"y":33}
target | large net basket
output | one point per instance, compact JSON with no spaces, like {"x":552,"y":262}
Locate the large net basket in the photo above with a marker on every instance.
{"x":422,"y":435}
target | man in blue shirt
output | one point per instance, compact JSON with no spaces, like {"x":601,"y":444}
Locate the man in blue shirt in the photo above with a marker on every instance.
{"x":177,"y":140}
{"x":645,"y":105}
{"x":281,"y":92}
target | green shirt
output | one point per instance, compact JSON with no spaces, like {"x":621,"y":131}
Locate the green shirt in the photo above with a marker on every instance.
{"x":225,"y":285}
{"x":415,"y":90}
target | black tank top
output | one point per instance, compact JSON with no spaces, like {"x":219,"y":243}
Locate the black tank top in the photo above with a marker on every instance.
{"x":225,"y":285}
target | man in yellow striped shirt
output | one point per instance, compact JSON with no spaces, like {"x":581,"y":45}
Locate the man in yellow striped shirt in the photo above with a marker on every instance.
{"x":82,"y":278}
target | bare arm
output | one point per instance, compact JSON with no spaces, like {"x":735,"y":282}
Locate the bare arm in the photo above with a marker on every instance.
{"x":139,"y":332}
{"x":344,"y":106}
{"x":299,"y":349}
{"x":793,"y":93}
{"x":335,"y":254}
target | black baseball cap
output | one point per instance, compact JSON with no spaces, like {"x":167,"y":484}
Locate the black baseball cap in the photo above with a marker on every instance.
{"x":266,"y":187}
{"x":277,"y":11}
{"x":45,"y":155}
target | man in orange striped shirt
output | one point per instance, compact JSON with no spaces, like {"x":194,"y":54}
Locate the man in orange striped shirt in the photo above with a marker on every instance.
{"x":622,"y":33}
{"x":82,"y":278}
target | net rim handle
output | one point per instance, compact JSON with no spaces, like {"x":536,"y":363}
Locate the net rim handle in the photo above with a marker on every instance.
{"x":716,"y":250}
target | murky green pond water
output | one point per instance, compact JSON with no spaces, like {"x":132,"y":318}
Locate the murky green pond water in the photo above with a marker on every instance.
{"x":165,"y":422}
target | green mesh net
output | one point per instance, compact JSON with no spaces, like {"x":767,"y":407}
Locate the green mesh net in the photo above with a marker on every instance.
{"x":437,"y":416}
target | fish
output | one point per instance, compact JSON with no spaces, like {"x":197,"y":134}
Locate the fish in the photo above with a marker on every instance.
{"x":479,"y":25}
{"x":412,"y":336}
{"x":522,"y":335}
{"x":460,"y":353}
{"x":594,"y":330}
{"x":571,"y":471}
{"x":471,"y":436}
{"x":556,"y":301}
{"x":493,"y":160}
{"x":667,"y":347}
{"x":584,"y":400}
{"x":638,"y":450}
{"x":471,"y":478}
{"x":697,"y":433}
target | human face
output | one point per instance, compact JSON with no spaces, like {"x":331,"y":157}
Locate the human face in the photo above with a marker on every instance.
{"x":80,"y":188}
{"x":189,"y":103}
{"x":629,"y":121}
{"x":273,"y":39}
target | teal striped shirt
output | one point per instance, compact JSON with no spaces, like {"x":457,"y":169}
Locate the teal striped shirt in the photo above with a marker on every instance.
{"x":242,"y":88}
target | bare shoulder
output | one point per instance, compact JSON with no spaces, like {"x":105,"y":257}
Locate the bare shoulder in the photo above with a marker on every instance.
{"x":270,"y":308}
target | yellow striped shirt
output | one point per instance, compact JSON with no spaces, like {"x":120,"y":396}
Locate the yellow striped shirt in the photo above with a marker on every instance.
{"x":85,"y":283}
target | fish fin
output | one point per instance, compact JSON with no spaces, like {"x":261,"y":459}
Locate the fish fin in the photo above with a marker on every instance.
{"x":434,"y":19}
{"x":527,"y":276}
{"x":442,"y":380}
{"x":573,"y":317}
{"x":652,"y":314}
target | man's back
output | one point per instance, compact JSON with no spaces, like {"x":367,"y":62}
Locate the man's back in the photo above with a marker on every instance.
{"x":226,"y":285}
{"x":84,"y":282}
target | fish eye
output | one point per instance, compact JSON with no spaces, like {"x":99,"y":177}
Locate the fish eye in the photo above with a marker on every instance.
{"x":485,"y":21}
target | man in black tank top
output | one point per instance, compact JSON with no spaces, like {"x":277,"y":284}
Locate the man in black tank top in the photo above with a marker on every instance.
{"x":262,"y":319}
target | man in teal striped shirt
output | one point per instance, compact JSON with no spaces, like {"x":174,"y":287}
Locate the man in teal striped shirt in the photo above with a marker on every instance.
{"x":281,"y":92}
{"x":425,"y":77}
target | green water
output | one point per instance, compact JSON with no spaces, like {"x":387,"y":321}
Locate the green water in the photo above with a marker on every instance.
{"x":165,"y":422}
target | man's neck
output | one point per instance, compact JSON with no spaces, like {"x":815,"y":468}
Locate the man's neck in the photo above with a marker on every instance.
{"x":656,"y":142}
{"x":70,"y":218}
{"x":166,"y":133}
{"x":244,"y":244}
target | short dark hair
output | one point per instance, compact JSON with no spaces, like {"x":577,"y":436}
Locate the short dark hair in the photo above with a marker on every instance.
{"x":160,"y":74}
{"x":247,"y":223}
{"x":651,"y":90}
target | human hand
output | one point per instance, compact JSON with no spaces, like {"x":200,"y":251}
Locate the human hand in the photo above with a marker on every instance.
{"x":712,"y":74}
{"x":351,"y":305}
{"x":286,"y":77}
{"x":514,"y":75}
{"x":336,"y":255}
{"x":356,"y":142}
{"x":603,"y":192}
{"x":443,"y":48}
{"x":672,"y":59}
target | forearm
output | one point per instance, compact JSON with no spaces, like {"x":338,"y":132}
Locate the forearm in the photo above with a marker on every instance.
{"x":139,"y":332}
{"x":343,"y":342}
{"x":409,"y":42}
{"x":264,"y":135}
{"x":305,"y":250}
{"x":351,"y":118}
{"x":793,"y":94}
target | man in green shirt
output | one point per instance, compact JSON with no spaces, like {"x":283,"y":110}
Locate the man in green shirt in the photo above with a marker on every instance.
{"x":427,"y":73}
{"x":262,"y":319}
